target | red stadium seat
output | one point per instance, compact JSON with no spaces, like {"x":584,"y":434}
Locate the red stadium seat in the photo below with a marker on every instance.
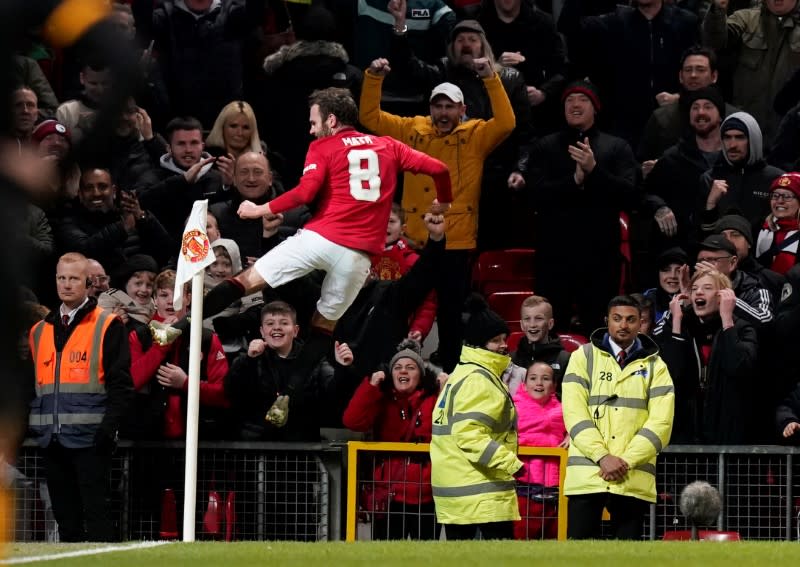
{"x":507,"y":304}
{"x":513,"y":340}
{"x":570,"y":342}
{"x":703,"y":535}
{"x":504,"y":270}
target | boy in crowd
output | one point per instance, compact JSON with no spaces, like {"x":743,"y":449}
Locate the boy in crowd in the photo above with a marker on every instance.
{"x":539,"y":344}
{"x":160,"y":374}
{"x":394,"y":262}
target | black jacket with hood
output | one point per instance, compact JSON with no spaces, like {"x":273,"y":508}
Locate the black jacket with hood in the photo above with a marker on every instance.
{"x":253,"y":385}
{"x":748,"y":180}
{"x":714,"y":403}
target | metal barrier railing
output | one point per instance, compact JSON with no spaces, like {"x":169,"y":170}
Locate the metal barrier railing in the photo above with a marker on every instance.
{"x":759,"y":486}
{"x":246,"y":491}
{"x":418,"y":520}
{"x":297,"y":491}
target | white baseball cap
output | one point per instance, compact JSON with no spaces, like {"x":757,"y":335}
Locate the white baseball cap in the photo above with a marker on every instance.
{"x":450,"y":91}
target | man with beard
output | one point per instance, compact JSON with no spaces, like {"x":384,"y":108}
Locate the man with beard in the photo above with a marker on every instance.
{"x":739,"y":183}
{"x":353,"y":178}
{"x":673,"y":185}
{"x":670,"y":121}
{"x":171,"y":200}
{"x":464,"y":145}
{"x":503,"y":170}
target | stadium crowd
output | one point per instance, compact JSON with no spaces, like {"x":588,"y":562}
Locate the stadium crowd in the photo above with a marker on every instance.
{"x":554,"y":118}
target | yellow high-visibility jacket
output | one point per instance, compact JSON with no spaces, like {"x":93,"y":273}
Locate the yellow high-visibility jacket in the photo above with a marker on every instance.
{"x":626,"y":412}
{"x":463,"y":150}
{"x":474,"y":443}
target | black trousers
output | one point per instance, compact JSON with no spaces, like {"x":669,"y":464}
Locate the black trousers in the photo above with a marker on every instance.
{"x":78,"y":483}
{"x":451,"y":293}
{"x":586,"y":515}
{"x":488,"y":530}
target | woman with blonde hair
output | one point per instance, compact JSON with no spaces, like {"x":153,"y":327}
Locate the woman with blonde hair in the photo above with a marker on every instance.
{"x":235,"y":132}
{"x":711,"y":354}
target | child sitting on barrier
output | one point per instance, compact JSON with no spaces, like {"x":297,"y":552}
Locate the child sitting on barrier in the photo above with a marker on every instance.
{"x":399,"y":409}
{"x":541,"y":424}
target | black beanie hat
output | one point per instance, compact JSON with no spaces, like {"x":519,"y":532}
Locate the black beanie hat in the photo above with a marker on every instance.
{"x":482,"y":324}
{"x":710,"y":93}
{"x":586,"y":88}
{"x":735,"y":222}
{"x":135,"y":263}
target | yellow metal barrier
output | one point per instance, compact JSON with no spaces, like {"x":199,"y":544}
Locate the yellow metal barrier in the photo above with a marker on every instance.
{"x":353,"y":448}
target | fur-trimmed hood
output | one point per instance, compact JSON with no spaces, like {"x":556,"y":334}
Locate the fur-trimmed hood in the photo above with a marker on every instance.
{"x":289,"y":53}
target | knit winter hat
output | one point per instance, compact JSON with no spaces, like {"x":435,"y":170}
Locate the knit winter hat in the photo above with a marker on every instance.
{"x":408,"y":348}
{"x":709,"y":93}
{"x":671,"y":256}
{"x":48,"y":127}
{"x":789,"y":181}
{"x":482,"y":324}
{"x":734,"y":123}
{"x":135,"y":263}
{"x":586,"y":88}
{"x":737,"y":223}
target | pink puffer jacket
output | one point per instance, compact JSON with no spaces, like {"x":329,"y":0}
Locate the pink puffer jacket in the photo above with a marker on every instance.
{"x":539,"y":426}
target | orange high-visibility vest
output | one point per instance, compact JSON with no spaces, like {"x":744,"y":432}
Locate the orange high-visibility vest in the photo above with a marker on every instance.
{"x":70,"y":384}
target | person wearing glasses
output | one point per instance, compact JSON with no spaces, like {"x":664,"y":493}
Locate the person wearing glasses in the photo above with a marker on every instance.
{"x":753,"y":301}
{"x":777,"y":243}
{"x":100,"y":280}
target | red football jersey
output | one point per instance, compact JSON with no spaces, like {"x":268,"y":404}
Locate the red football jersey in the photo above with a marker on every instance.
{"x":355,"y":176}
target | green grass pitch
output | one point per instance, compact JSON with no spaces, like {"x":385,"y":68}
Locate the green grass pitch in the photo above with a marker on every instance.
{"x":406,"y":554}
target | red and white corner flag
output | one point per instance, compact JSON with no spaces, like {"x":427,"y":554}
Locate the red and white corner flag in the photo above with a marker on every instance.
{"x":196,"y":253}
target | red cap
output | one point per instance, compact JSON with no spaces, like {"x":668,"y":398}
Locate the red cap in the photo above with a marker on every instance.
{"x":48,"y":127}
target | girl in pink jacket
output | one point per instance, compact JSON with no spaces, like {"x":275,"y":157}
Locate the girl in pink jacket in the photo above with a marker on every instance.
{"x":541,"y":424}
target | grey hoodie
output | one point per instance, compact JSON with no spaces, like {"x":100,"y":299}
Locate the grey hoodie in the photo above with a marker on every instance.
{"x":167,"y":163}
{"x":754,"y":137}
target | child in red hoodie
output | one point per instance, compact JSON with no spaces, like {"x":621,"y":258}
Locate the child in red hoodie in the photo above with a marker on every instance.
{"x":393,"y":263}
{"x":160,"y":374}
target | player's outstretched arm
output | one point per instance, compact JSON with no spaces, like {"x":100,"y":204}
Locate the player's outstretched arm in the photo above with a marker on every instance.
{"x":249,"y":210}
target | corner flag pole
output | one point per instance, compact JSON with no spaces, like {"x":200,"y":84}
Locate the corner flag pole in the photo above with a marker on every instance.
{"x":196,"y":254}
{"x":193,"y":409}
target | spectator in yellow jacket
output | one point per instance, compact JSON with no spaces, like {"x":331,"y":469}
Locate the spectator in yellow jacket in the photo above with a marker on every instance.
{"x":463,"y":144}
